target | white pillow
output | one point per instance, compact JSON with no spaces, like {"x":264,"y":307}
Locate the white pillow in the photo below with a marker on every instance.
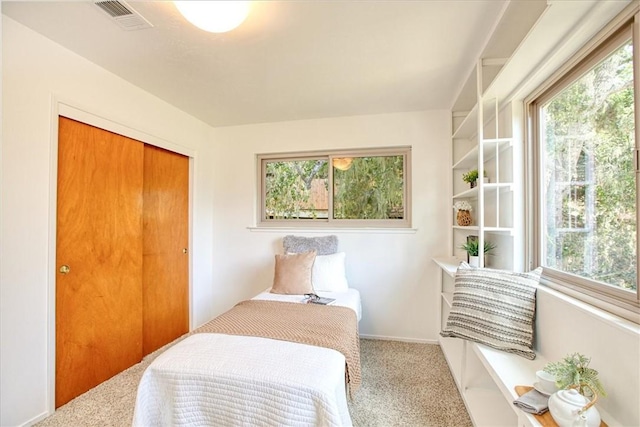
{"x":328,"y":273}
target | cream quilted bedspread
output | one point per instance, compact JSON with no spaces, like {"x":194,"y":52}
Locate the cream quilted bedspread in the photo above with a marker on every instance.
{"x":319,"y":325}
{"x":225,"y":380}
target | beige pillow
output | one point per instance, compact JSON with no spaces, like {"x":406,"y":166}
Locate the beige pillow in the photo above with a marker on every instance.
{"x":293,"y":273}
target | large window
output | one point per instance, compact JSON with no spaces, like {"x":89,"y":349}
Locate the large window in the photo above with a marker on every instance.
{"x":361,"y":188}
{"x":585,"y":150}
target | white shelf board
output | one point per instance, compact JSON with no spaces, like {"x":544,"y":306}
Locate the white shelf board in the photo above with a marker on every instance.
{"x":502,"y":186}
{"x":515,"y":22}
{"x":488,"y":408}
{"x":467,"y":128}
{"x":507,"y":369}
{"x":507,"y":230}
{"x":466,"y":227}
{"x":448,"y":264}
{"x":470,"y":159}
{"x":470,"y":193}
{"x":504,"y":142}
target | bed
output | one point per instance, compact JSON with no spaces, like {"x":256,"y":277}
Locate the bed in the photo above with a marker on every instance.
{"x":273,"y":360}
{"x":221,"y":379}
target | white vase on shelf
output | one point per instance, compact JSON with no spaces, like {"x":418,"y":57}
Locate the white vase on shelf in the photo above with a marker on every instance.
{"x":474,"y":261}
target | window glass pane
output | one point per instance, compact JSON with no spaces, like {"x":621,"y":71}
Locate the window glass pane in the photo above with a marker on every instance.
{"x":589,"y":178}
{"x":370,"y":187}
{"x":297,"y":189}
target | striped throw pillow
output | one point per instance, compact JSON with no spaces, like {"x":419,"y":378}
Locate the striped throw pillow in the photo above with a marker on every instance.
{"x":495,"y":308}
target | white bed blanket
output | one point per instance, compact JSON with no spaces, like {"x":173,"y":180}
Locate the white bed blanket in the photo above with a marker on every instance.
{"x":349,"y":298}
{"x":225,"y":380}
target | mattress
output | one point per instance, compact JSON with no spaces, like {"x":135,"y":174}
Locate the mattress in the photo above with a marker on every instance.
{"x":350,"y":299}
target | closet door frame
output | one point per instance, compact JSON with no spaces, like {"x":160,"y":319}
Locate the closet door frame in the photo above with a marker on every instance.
{"x":69,"y":109}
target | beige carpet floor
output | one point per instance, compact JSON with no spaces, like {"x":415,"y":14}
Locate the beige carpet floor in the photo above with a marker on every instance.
{"x":403,"y":384}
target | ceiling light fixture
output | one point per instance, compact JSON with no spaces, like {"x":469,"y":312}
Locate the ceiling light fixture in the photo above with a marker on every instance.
{"x":214,"y":16}
{"x":342,"y":163}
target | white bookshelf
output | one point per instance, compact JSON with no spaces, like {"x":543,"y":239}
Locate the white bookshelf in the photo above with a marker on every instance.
{"x":486,"y":378}
{"x":530,"y":40}
{"x":486,"y":136}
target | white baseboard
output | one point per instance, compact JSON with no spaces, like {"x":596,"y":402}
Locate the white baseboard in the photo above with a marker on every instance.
{"x":402,"y":339}
{"x":36,"y":419}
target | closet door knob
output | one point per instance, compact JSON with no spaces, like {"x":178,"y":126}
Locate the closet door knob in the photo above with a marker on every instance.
{"x":184,"y":250}
{"x":65,"y":269}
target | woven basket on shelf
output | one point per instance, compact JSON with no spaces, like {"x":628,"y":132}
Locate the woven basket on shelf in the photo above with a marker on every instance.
{"x":463,"y":218}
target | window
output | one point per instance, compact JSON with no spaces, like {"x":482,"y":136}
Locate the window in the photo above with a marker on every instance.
{"x":585,"y":174}
{"x":362,"y":188}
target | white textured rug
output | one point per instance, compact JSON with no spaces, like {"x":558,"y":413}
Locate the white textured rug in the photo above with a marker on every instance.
{"x":403,"y":384}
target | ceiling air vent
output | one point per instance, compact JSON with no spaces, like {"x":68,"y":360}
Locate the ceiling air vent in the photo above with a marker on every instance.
{"x":123,"y":15}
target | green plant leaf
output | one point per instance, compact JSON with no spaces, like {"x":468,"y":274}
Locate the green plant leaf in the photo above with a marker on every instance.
{"x":574,"y":371}
{"x":470,"y":176}
{"x":472,"y":247}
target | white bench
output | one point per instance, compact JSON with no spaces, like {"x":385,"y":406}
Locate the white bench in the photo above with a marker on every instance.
{"x":486,"y":378}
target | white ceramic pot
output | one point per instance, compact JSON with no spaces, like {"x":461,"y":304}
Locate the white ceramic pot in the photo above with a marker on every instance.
{"x":565,"y":407}
{"x":546,"y":383}
{"x":474,"y":261}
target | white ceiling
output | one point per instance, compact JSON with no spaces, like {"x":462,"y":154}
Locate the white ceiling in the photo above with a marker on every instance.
{"x":289,"y":60}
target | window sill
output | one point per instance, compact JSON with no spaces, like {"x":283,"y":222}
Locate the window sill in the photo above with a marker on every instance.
{"x":325,"y":230}
{"x":625,"y":319}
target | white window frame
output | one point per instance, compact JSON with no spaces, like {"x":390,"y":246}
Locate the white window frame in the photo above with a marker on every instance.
{"x":330,"y":222}
{"x":604,"y":296}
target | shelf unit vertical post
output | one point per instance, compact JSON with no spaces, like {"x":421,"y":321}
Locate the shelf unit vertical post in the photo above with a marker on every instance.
{"x":480,"y":183}
{"x":497,"y":156}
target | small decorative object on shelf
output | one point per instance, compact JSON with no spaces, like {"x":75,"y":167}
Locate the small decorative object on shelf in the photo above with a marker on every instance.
{"x":573,"y":404}
{"x":569,"y":408}
{"x":574,"y":371}
{"x":471,"y":177}
{"x":463,"y":216}
{"x":472,"y":247}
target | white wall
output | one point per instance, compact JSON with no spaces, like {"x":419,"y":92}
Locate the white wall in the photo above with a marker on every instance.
{"x":392,"y":270}
{"x":33,"y":70}
{"x":565,"y":326}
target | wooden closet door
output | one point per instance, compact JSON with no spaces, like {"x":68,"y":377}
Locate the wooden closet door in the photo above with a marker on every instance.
{"x":99,"y":238}
{"x":166,"y":239}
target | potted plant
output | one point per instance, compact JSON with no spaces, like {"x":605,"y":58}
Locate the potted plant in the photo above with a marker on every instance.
{"x":463,"y":212}
{"x":471,"y":177}
{"x":579,"y":388}
{"x":573,"y":372}
{"x":472,"y":247}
